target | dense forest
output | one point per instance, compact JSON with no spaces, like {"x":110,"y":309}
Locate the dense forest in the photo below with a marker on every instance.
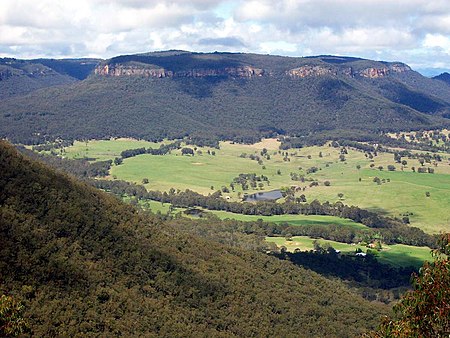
{"x":79,"y":261}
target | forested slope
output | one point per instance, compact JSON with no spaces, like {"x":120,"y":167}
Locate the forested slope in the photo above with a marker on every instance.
{"x":85,"y":263}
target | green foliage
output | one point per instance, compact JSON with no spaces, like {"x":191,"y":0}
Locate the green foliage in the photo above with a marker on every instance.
{"x":12,"y":322}
{"x":425,"y":311}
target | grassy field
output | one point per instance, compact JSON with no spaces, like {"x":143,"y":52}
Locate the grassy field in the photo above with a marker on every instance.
{"x":397,"y":255}
{"x":402,"y":193}
{"x":105,"y":149}
{"x":296,"y":220}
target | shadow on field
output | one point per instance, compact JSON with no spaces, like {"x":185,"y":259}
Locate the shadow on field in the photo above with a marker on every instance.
{"x":366,"y":271}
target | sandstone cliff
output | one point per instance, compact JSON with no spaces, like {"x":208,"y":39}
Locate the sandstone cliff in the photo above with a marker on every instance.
{"x":371,"y":72}
{"x":308,"y":71}
{"x":145,"y":71}
{"x":374,"y":73}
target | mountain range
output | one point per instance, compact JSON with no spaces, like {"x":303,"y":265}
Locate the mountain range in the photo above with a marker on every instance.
{"x":214,"y":96}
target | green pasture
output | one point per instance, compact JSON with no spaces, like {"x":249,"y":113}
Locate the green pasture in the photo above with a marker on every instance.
{"x":197,"y":173}
{"x":295,"y":220}
{"x":402,"y":193}
{"x":105,"y":149}
{"x":405,"y":194}
{"x":397,"y":255}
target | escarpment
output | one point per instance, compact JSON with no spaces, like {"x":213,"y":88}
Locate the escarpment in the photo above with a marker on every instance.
{"x":374,"y":73}
{"x":370,"y":72}
{"x":145,"y":71}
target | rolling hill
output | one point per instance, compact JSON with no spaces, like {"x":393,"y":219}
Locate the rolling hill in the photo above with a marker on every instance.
{"x":19,"y":77}
{"x":83,"y":263}
{"x":228,"y":96}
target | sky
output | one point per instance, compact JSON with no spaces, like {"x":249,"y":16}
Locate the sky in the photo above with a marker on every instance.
{"x":416,"y":32}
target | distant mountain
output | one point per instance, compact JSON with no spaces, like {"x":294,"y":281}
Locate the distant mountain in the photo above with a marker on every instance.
{"x":19,"y":77}
{"x":443,"y":77}
{"x":76,"y":68}
{"x":85,"y":264}
{"x":229,"y":96}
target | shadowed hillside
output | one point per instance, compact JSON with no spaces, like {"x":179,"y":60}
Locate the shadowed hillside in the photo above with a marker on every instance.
{"x":84,"y":263}
{"x":443,"y":77}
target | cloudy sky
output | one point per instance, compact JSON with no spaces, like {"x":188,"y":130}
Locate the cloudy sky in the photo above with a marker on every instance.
{"x":413,"y":31}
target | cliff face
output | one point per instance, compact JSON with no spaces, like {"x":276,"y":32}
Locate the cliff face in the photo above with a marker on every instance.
{"x":372,"y":72}
{"x":308,"y":71}
{"x":133,"y":70}
{"x":125,"y":70}
{"x":198,"y":65}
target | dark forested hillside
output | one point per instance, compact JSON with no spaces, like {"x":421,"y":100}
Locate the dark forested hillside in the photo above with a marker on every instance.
{"x":228,"y":96}
{"x":443,"y":77}
{"x":20,"y":77}
{"x":84,"y":263}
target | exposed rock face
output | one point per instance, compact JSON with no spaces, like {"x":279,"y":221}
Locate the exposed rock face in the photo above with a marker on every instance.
{"x":308,"y":71}
{"x":145,"y":70}
{"x":131,"y":70}
{"x":244,"y":71}
{"x":374,"y":73}
{"x":120,"y":70}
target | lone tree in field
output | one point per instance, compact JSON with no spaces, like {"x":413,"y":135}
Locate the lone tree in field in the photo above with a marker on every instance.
{"x":425,"y":311}
{"x":340,"y":195}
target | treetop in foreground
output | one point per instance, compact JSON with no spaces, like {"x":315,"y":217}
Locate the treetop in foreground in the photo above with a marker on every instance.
{"x":425,"y":311}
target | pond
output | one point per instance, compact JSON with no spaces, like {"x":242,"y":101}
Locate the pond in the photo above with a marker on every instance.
{"x":264,"y":196}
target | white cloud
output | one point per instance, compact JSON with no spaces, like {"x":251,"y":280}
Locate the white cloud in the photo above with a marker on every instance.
{"x":403,"y":30}
{"x":277,"y":47}
{"x":437,"y":41}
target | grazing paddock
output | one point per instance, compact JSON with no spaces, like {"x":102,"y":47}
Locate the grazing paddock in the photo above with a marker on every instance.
{"x":422,"y":197}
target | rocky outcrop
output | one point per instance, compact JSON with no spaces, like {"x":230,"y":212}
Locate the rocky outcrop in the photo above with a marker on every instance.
{"x":243,"y":71}
{"x":132,"y":70}
{"x":146,"y":70}
{"x":129,"y":70}
{"x":313,"y":71}
{"x":309,"y":71}
{"x":374,"y":73}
